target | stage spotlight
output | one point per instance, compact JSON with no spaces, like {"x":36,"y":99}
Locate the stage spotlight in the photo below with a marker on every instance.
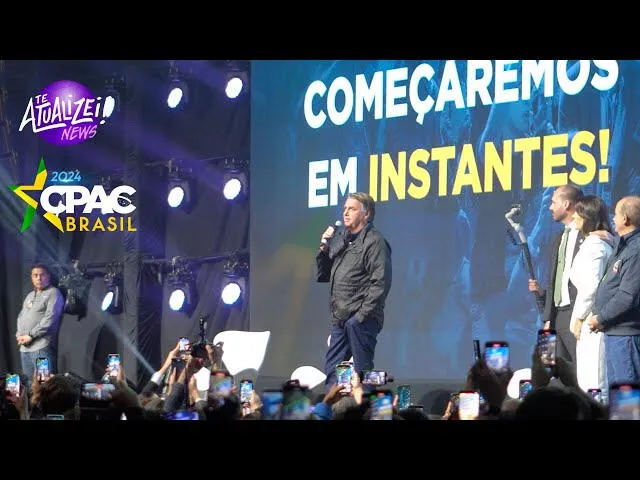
{"x":178,"y":93}
{"x":235,"y":179}
{"x":182,"y":289}
{"x":180,"y":189}
{"x":112,"y":300}
{"x":234,"y":283}
{"x":237,"y":81}
{"x":178,"y":193}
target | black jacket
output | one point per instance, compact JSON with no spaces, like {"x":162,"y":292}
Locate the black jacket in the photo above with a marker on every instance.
{"x":359,"y":275}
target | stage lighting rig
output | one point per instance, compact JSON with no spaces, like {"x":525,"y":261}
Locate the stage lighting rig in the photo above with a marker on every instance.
{"x":236,"y":182}
{"x":178,"y":90}
{"x":183,"y":295}
{"x":180,"y":187}
{"x":112,"y":301}
{"x":234,"y":283}
{"x":237,"y":78}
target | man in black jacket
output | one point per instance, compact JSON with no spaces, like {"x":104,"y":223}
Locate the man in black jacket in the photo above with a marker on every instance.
{"x":617,"y":302}
{"x":357,"y":265}
{"x":560,"y":294}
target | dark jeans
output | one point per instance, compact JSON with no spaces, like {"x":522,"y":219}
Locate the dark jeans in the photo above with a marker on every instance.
{"x":28,"y":360}
{"x":351,"y":339}
{"x":623,"y":358}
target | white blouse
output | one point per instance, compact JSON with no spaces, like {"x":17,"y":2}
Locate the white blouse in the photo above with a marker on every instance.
{"x":586,"y":271}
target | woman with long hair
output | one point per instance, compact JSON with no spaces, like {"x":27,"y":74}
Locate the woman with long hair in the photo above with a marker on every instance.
{"x":592,"y":219}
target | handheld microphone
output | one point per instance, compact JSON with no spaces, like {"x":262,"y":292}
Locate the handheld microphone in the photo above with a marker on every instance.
{"x":336,"y":225}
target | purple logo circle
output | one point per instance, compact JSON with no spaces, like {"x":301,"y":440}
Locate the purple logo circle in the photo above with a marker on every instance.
{"x":66,"y":113}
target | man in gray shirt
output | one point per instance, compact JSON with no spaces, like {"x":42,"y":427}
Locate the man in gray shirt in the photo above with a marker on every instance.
{"x":38,"y":322}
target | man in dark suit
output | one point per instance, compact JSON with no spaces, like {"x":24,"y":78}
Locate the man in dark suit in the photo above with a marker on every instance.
{"x":560,"y":294}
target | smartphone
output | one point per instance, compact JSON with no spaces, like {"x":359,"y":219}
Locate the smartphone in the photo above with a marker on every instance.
{"x":114,"y":364}
{"x":55,"y":417}
{"x":624,"y":401}
{"x":42,"y":369}
{"x":525,"y":387}
{"x":596,"y":394}
{"x":220,"y":383}
{"x":246,"y":391}
{"x":344,"y":372}
{"x":183,"y":415}
{"x":91,"y":392}
{"x":468,"y":405}
{"x":296,"y":403}
{"x":546,"y":347}
{"x":374,"y":377}
{"x":185,"y":345}
{"x":271,"y":404}
{"x":404,"y":397}
{"x":496,"y":356}
{"x":12,"y":384}
{"x":476,"y":350}
{"x":381,"y":402}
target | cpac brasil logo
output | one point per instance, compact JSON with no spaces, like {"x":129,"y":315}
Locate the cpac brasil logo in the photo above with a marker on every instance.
{"x":66,"y":113}
{"x":69,"y":197}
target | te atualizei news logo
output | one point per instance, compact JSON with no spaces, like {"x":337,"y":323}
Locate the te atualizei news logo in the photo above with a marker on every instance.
{"x":71,"y":207}
{"x":66,"y":113}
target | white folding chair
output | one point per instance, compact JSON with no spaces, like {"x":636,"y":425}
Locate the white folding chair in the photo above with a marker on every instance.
{"x":243,"y":350}
{"x":308,"y":376}
{"x":513,"y":389}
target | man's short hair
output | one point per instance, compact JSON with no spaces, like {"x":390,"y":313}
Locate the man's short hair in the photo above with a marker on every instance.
{"x":42,"y":266}
{"x":571,"y":193}
{"x":367,"y":201}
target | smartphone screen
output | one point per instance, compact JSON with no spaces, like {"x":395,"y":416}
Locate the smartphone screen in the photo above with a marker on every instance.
{"x":183,"y":415}
{"x":468,"y":405}
{"x":344,"y":371}
{"x":114,"y":364}
{"x":97,"y":392}
{"x":546,"y":347}
{"x":596,"y":394}
{"x":525,"y":387}
{"x":12,"y":384}
{"x":374,"y":377}
{"x":185,"y":344}
{"x":296,"y":404}
{"x":272,"y":404}
{"x":220,"y":384}
{"x":496,"y":356}
{"x":246,"y":391}
{"x":381,"y":405}
{"x":54,"y":417}
{"x":404,"y":397}
{"x":42,"y":369}
{"x":624,"y":402}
